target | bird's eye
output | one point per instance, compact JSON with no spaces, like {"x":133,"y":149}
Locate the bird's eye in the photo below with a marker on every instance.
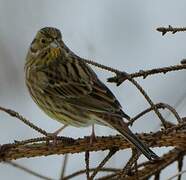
{"x":43,"y":41}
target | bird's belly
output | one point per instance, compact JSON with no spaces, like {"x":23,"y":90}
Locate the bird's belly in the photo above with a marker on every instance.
{"x":62,"y":111}
{"x":68,"y":118}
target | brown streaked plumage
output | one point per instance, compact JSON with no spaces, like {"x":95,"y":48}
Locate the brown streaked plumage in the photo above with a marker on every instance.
{"x":68,"y":90}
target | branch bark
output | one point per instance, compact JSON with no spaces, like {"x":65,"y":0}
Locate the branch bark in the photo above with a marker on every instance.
{"x":174,"y":136}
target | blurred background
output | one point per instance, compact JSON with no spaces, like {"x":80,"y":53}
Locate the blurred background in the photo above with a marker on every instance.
{"x":118,"y":33}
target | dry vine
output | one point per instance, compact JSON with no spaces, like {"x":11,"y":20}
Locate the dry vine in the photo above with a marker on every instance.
{"x":172,"y":135}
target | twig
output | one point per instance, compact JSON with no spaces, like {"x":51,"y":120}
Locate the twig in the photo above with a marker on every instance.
{"x":87,"y":154}
{"x":174,"y":30}
{"x":180,"y":165}
{"x":144,"y":73}
{"x":65,"y":140}
{"x":24,"y":120}
{"x":121,"y":76}
{"x":183,"y":61}
{"x":172,"y":110}
{"x":173,"y":136}
{"x":123,"y":173}
{"x":159,"y":106}
{"x":144,"y":164}
{"x":135,"y":83}
{"x":136,"y":169}
{"x":132,"y":160}
{"x":178,"y":174}
{"x":27,"y":170}
{"x":152,"y":169}
{"x":64,"y":166}
{"x":103,"y":162}
{"x":101,"y":66}
{"x":157,"y":176}
{"x":90,"y":170}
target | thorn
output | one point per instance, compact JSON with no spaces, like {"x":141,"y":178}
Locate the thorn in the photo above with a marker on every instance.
{"x":112,"y":79}
{"x":183,"y":61}
{"x":174,"y":31}
{"x":164,"y":32}
{"x":160,"y":29}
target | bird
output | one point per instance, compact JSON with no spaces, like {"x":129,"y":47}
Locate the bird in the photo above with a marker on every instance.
{"x":68,"y":90}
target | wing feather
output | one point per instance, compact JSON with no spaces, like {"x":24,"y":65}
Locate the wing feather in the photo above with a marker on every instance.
{"x":77,"y":84}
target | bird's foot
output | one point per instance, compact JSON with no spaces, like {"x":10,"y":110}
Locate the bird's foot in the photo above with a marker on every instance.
{"x":53,"y":136}
{"x":92,"y":139}
{"x":92,"y":136}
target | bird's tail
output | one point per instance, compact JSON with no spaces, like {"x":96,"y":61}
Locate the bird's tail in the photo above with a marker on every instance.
{"x":122,"y":127}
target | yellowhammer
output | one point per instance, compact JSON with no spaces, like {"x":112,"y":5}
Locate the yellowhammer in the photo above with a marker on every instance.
{"x":68,"y":90}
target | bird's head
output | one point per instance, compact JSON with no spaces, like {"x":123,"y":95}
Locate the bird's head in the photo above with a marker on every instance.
{"x":47,"y":37}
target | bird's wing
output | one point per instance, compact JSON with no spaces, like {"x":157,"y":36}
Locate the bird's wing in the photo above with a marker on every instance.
{"x":79,"y":86}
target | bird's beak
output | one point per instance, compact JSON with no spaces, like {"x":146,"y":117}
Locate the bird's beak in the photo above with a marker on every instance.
{"x":54,"y":44}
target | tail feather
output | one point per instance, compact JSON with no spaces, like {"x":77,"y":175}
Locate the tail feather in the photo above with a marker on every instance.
{"x":127,"y":133}
{"x":141,"y":146}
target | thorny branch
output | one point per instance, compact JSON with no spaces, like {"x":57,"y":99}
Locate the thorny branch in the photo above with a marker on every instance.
{"x":177,"y":175}
{"x":174,"y":136}
{"x":24,"y":120}
{"x":174,"y":30}
{"x":126,"y":170}
{"x":65,"y":160}
{"x":90,"y":170}
{"x":103,"y":162}
{"x":180,"y":165}
{"x":152,"y":168}
{"x":158,"y":106}
{"x":145,"y":73}
{"x":135,"y":83}
{"x":87,"y":155}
